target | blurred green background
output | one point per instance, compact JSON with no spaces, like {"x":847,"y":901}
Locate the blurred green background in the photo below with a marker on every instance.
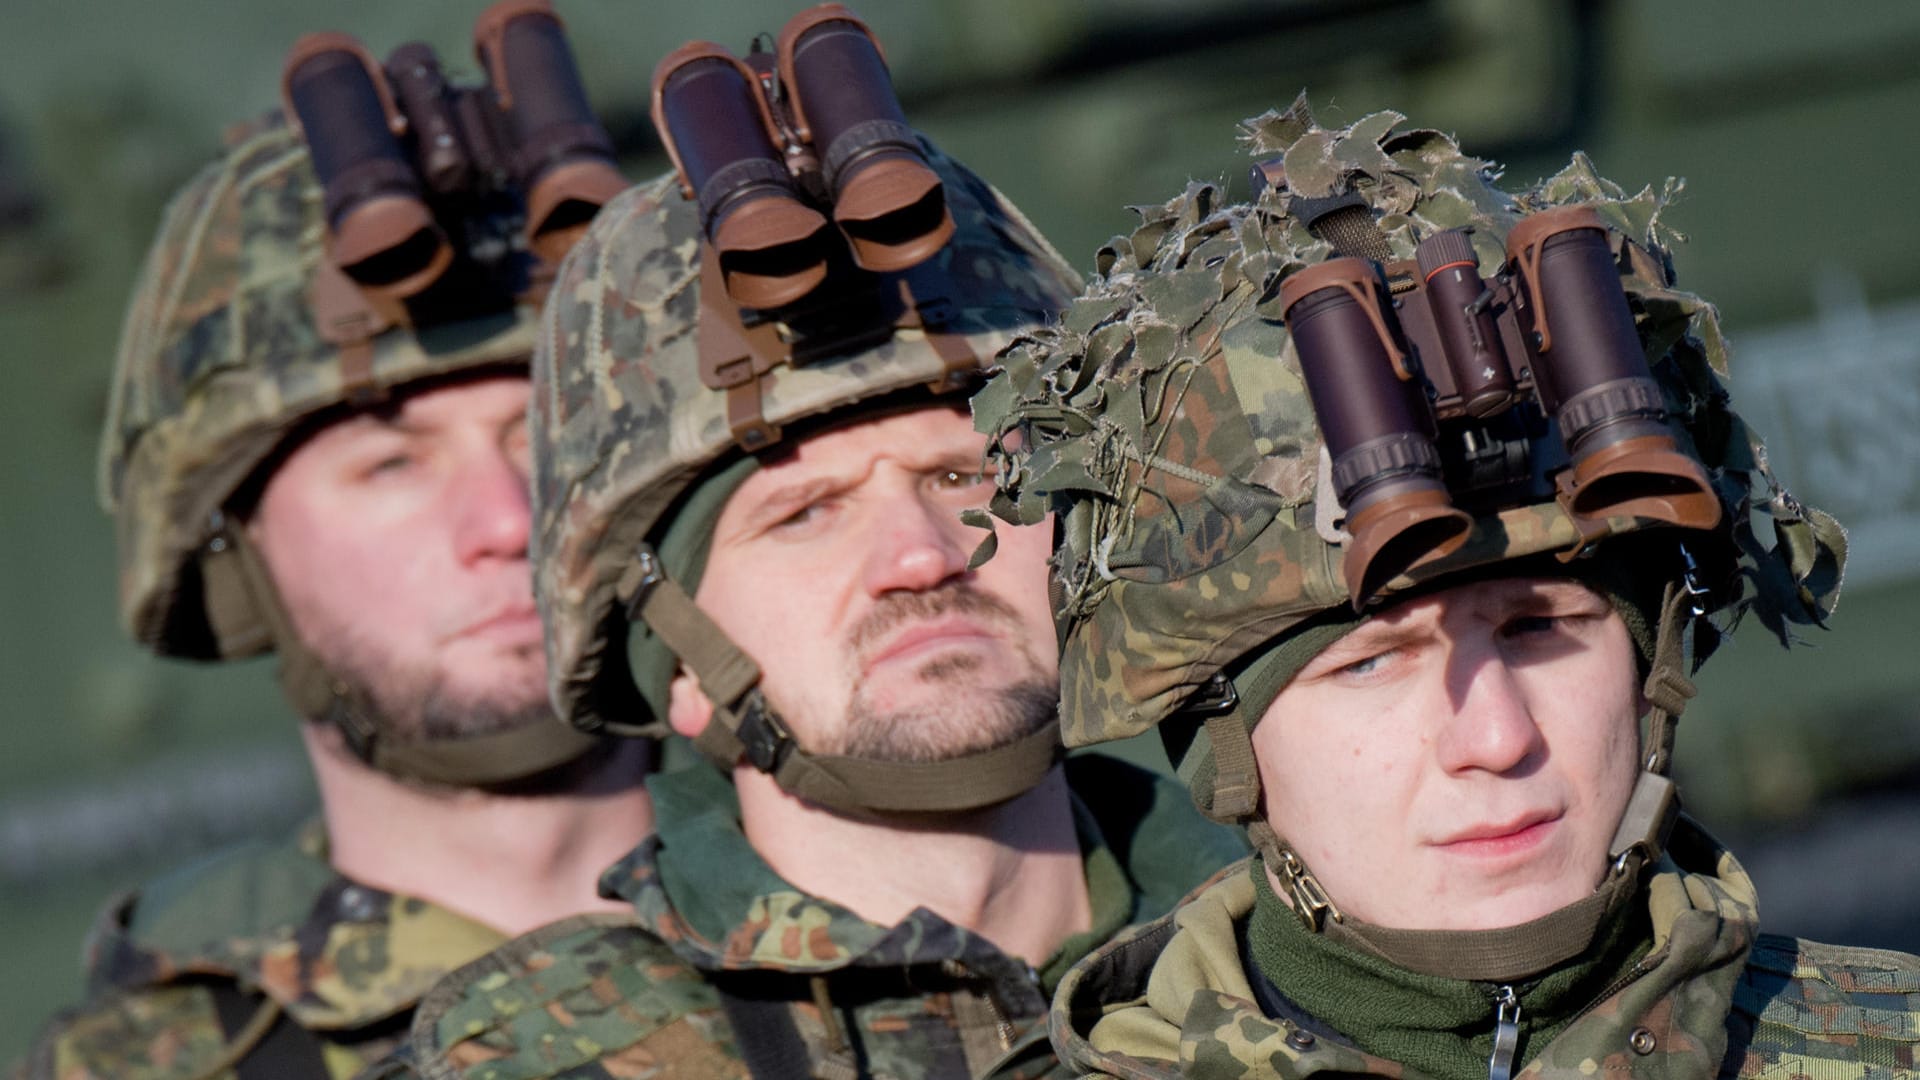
{"x":1791,"y":124}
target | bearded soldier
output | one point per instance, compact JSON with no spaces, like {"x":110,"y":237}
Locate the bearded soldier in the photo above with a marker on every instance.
{"x":311,"y":454}
{"x":1399,"y":504}
{"x":751,"y":462}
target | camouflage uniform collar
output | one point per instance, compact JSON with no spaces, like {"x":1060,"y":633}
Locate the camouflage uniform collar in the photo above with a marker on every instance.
{"x":1176,"y":989}
{"x":277,"y":918}
{"x":704,"y":890}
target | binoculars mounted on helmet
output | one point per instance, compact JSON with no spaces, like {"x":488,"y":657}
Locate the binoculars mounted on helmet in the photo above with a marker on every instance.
{"x":420,"y":175}
{"x":772,"y":144}
{"x":1436,"y":389}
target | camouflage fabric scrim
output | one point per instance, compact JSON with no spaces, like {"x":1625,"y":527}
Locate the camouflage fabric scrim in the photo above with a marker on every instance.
{"x":266,"y":927}
{"x":1166,"y":419}
{"x":220,"y":359}
{"x":1713,"y":998}
{"x":622,"y":423}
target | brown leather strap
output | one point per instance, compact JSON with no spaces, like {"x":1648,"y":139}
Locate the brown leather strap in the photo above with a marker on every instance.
{"x":745,"y":725}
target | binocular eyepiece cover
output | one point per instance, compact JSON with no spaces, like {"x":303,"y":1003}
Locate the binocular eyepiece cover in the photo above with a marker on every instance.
{"x":765,"y":148}
{"x":400,"y":154}
{"x":1394,"y":373}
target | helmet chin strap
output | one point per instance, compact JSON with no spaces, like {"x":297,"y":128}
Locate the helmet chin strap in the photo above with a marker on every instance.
{"x":239,"y":587}
{"x":1513,"y":952}
{"x":745,"y":725}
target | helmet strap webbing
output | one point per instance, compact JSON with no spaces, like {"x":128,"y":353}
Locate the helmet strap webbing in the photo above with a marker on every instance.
{"x":1548,"y":941}
{"x":235,"y":575}
{"x":745,"y":725}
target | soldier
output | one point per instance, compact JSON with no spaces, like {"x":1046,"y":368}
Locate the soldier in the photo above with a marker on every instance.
{"x":303,"y":460}
{"x":1400,"y":614}
{"x":749,"y":528}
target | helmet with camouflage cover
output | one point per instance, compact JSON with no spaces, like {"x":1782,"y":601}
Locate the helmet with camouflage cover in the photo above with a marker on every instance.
{"x":630,"y":439}
{"x":239,"y":333}
{"x":1166,"y":420}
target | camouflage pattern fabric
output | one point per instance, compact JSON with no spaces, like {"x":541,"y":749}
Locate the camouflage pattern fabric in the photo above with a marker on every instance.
{"x":920,"y":1000}
{"x":220,"y":359}
{"x":621,"y":422}
{"x":1714,"y":998}
{"x":593,"y":997}
{"x":1166,"y":419}
{"x":341,"y":960}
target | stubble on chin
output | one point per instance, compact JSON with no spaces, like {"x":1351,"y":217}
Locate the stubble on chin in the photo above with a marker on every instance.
{"x":420,"y":702}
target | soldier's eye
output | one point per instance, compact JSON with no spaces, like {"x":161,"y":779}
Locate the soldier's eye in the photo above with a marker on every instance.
{"x":955,"y":479}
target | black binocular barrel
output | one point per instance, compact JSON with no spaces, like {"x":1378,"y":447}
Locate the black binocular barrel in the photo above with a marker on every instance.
{"x":1361,"y":403}
{"x":712,"y":118}
{"x":1583,"y":329}
{"x":1376,"y":423}
{"x":383,"y":234}
{"x":539,"y":85}
{"x":1450,"y":273}
{"x":562,"y":158}
{"x":355,"y":153}
{"x":1596,"y":380}
{"x":886,"y":198}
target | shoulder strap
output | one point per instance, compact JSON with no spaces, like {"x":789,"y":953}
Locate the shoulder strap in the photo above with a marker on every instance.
{"x":263,"y":1043}
{"x":765,"y":1034}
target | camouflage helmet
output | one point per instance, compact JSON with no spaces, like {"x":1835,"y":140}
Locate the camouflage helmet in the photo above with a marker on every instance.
{"x":1167,"y":418}
{"x":239,"y":332}
{"x":624,"y":426}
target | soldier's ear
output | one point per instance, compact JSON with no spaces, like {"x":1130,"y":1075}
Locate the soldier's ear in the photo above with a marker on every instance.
{"x":688,"y":710}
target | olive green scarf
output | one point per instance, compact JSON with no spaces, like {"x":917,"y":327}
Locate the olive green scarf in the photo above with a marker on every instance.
{"x":1441,"y":1027}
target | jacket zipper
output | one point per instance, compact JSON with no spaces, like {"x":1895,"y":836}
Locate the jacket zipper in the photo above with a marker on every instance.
{"x":1506,"y":1033}
{"x":1506,"y":1020}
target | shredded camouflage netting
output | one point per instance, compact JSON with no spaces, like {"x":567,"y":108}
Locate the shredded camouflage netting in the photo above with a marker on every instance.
{"x":1165,"y":418}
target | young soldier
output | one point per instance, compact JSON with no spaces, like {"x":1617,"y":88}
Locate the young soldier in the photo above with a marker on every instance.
{"x":757,"y":539}
{"x":1384,"y":620}
{"x":300,"y":464}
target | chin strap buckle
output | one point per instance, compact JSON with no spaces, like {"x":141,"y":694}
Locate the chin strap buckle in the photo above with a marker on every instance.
{"x":766,"y":743}
{"x":1310,"y":899}
{"x":1652,"y":810}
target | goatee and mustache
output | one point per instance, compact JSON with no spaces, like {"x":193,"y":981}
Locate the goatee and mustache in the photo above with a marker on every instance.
{"x":971,"y":720}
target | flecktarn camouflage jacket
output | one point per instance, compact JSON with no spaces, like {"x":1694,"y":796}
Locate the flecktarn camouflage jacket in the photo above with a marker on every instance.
{"x":1714,"y":998}
{"x":260,"y":954}
{"x":725,"y":963}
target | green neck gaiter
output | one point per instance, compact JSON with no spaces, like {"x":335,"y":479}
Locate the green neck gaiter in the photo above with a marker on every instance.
{"x":1441,"y":1027}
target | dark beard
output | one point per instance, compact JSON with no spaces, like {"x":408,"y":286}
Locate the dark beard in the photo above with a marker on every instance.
{"x":972,"y":719}
{"x":412,"y":706}
{"x":967,"y":725}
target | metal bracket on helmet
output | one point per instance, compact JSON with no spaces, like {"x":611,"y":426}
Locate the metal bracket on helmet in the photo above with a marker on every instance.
{"x":735,"y":353}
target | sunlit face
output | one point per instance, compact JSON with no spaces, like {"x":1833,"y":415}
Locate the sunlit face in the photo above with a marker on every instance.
{"x":841,"y":567}
{"x":1461,"y":761}
{"x":397,"y":540}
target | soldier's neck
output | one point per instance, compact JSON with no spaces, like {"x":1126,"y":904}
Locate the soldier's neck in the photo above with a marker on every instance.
{"x":511,"y":861}
{"x":1013,"y":873}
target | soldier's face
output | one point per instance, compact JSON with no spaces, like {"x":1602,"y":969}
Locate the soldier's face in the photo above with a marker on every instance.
{"x":398,"y":542}
{"x":841,"y":567}
{"x":1461,"y":761}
